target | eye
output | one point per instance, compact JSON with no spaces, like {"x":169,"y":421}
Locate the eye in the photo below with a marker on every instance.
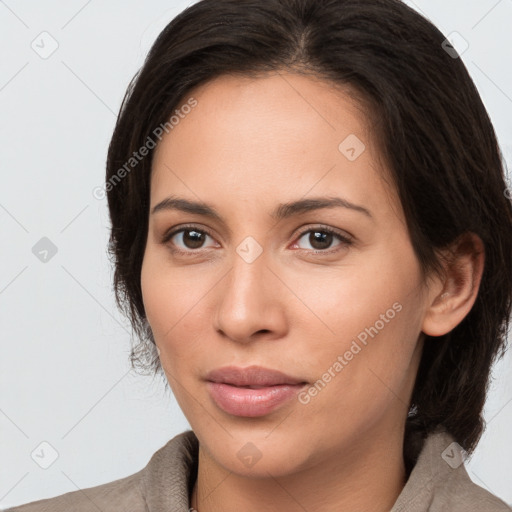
{"x":321,"y":238}
{"x":191,"y":238}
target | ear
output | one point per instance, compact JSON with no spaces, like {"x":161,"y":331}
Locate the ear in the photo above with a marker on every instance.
{"x":450,"y":299}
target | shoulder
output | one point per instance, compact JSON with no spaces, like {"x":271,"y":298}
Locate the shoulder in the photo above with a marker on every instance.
{"x":457,"y":492}
{"x":439,"y":482}
{"x":139,"y":492}
{"x":122,"y":494}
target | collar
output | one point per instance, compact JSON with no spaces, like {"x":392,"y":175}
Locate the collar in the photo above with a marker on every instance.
{"x":170,"y":475}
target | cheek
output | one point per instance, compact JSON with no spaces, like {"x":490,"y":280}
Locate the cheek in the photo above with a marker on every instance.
{"x":174,"y":301}
{"x":374,"y":319}
{"x":154,"y":297}
{"x":161,"y":304}
{"x":344,"y":303}
{"x":363,"y":376}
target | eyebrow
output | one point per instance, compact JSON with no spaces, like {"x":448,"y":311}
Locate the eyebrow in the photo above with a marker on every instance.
{"x":282,"y":211}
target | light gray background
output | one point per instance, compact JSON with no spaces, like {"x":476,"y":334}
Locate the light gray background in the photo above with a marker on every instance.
{"x":64,"y":371}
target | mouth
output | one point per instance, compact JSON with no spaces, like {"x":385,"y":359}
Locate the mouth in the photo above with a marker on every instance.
{"x":253,"y":387}
{"x":252,"y":376}
{"x":252,"y":391}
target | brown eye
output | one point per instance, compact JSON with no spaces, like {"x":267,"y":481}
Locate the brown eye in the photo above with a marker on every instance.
{"x":187,"y":239}
{"x":192,"y":238}
{"x":321,"y":239}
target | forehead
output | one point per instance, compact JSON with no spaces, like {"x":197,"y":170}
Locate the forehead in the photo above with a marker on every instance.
{"x":281,"y":135}
{"x":284,"y":99}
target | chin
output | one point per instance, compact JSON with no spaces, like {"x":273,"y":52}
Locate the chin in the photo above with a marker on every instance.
{"x":256,"y":452}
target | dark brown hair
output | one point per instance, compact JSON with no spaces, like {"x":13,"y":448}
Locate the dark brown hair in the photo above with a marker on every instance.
{"x":432,"y":130}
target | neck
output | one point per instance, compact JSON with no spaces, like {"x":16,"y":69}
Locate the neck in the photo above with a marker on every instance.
{"x":369,"y":477}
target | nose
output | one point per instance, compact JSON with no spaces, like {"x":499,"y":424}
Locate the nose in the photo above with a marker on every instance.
{"x":251,"y":302}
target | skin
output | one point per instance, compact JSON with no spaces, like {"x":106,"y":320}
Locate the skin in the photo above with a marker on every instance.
{"x":247,"y":146}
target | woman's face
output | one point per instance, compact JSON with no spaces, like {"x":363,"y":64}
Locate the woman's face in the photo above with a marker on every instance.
{"x":263,"y":284}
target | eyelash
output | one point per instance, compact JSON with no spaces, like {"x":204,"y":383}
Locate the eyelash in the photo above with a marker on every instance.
{"x":345,"y":241}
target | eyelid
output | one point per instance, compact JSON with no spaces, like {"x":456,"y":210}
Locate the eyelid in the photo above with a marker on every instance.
{"x":329,"y":229}
{"x":345,"y":239}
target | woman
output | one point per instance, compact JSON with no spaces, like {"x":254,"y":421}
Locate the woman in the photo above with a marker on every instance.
{"x":311,"y":237}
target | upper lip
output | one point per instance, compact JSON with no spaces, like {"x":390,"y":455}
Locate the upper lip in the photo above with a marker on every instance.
{"x":251,"y":376}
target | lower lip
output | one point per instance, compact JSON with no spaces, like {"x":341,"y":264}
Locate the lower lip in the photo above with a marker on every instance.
{"x":251,"y":402}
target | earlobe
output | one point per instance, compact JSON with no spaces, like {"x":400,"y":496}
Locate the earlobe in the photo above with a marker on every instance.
{"x":463,"y":274}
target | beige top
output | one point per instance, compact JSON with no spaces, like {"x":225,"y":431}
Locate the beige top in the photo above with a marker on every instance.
{"x":438,"y":482}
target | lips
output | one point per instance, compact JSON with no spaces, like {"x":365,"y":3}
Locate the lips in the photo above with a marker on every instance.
{"x":252,"y":391}
{"x":252,"y":376}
